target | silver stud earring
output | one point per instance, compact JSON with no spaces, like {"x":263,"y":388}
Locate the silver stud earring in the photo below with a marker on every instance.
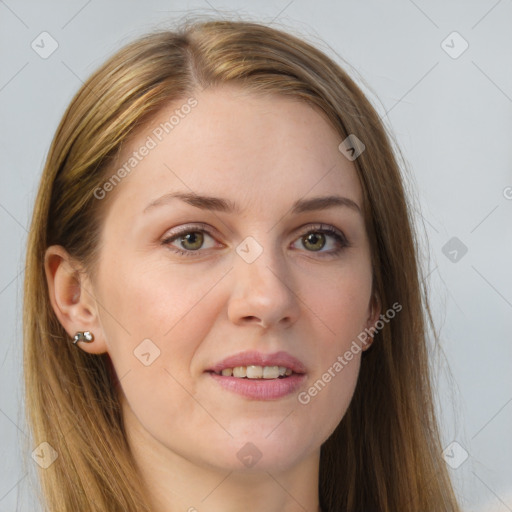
{"x":86,"y":336}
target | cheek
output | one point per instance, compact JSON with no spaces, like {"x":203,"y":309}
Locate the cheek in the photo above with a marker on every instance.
{"x":155,"y":319}
{"x":329,"y":392}
{"x":328,"y":396}
{"x":340,"y":304}
{"x":143,"y":299}
{"x":341,"y":309}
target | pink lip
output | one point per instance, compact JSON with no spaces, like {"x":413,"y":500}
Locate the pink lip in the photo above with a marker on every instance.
{"x":259,"y":359}
{"x":260,"y":389}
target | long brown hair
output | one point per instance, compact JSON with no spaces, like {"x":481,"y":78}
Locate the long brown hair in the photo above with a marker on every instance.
{"x":385,"y":454}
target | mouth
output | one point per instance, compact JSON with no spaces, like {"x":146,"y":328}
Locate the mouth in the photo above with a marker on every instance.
{"x":256,"y":372}
{"x":259,"y":376}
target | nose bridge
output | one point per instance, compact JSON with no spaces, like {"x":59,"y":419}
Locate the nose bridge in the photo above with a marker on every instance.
{"x":263,"y":291}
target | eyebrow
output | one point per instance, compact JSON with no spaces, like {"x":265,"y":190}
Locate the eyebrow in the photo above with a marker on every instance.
{"x":226,"y":206}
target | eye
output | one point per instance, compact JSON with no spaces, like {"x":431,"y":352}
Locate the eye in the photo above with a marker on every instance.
{"x":188,"y":240}
{"x":317,"y":238}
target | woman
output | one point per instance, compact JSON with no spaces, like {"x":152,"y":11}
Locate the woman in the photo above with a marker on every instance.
{"x":223,"y":308}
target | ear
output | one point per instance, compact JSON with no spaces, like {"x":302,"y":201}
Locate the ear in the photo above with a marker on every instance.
{"x":374,"y":310}
{"x":72,"y":299}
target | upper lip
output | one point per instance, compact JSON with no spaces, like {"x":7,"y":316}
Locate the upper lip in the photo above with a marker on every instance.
{"x":258,"y":359}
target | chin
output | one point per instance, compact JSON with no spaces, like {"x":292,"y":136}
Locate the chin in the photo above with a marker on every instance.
{"x":248,"y":453}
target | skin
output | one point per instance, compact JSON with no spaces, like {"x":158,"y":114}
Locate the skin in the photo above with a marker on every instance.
{"x":263,"y":153}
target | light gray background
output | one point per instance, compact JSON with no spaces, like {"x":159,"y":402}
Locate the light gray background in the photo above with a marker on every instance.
{"x":452,"y":118}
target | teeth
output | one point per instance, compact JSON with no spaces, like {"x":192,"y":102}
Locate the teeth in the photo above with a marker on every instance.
{"x":271,"y":372}
{"x":240,"y":371}
{"x":256,"y":372}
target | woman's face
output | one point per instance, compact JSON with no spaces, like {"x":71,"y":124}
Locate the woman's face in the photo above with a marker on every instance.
{"x":188,"y":286}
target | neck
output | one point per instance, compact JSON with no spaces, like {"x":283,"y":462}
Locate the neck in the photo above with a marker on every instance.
{"x":231,"y":492}
{"x":175,"y":483}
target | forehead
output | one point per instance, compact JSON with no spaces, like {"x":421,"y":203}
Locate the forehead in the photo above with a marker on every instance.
{"x":230,"y":142}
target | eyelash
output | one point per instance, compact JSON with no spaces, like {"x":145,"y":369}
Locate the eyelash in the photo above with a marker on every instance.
{"x":341,"y":241}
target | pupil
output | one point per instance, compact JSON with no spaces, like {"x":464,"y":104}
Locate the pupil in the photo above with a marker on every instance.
{"x":314,"y":239}
{"x":193,"y":239}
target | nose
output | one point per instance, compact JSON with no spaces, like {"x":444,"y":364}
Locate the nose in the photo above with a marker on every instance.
{"x":263,"y":293}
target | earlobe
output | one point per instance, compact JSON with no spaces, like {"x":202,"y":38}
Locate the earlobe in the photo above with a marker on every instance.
{"x":72,"y":301}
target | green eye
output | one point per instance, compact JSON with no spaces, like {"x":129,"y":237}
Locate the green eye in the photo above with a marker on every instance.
{"x":322,"y":239}
{"x":315,"y":241}
{"x":192,"y":241}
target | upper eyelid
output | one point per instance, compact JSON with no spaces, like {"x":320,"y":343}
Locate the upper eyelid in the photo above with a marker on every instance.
{"x":192,"y":228}
{"x":210,"y":231}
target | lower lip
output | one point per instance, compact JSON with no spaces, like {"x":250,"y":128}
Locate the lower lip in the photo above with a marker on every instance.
{"x":261,"y":389}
